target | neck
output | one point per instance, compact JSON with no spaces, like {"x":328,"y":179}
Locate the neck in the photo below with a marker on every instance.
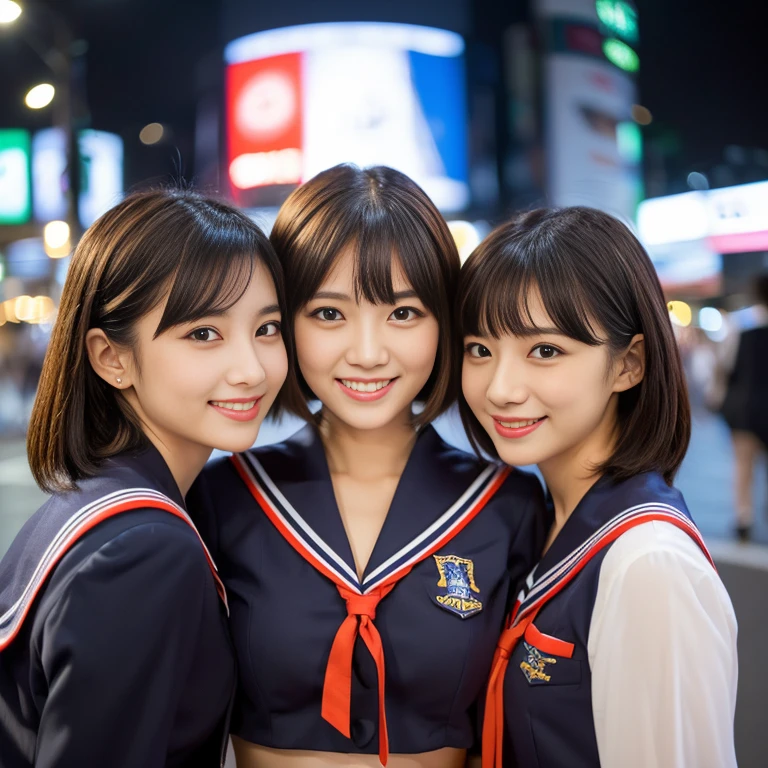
{"x":185,"y":462}
{"x":367,"y":453}
{"x":571,"y":474}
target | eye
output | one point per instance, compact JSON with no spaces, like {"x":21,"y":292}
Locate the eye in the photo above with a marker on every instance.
{"x":204,"y":334}
{"x":328,"y":314}
{"x":269,"y":329}
{"x":477,"y":350}
{"x":403,"y":314}
{"x":545,"y":352}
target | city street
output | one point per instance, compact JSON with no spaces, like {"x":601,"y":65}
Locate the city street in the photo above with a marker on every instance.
{"x":705,"y":479}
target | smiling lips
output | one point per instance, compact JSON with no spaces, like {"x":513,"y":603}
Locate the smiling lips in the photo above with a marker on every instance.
{"x":510,"y":428}
{"x":366,"y":390}
{"x":239,"y":409}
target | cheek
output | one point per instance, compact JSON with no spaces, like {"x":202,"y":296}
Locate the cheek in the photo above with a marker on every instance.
{"x":314,"y":346}
{"x":418,"y":348}
{"x":576,"y":390}
{"x":474,"y":384}
{"x":275,"y":362}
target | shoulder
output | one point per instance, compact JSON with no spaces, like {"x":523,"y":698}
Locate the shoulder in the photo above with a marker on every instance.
{"x":656,"y":571}
{"x":142,"y":549}
{"x":652,"y":548}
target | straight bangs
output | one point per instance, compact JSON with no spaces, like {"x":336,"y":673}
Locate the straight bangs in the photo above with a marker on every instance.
{"x":378,"y":242}
{"x":496,"y":288}
{"x":208,"y":281}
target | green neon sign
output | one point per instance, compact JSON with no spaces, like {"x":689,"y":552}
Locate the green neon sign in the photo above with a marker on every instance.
{"x":15,"y":186}
{"x":621,"y":55}
{"x":619,"y":18}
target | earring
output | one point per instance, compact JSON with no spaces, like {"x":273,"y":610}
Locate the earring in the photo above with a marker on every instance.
{"x":119,"y":380}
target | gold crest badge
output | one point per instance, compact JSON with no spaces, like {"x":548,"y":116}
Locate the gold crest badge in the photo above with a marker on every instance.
{"x":457,"y":578}
{"x":534,"y":664}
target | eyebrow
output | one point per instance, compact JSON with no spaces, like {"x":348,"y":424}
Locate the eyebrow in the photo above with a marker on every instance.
{"x":269,"y":309}
{"x":399,"y":296}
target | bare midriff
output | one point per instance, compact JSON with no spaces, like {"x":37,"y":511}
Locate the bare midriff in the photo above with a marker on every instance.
{"x":254,"y":756}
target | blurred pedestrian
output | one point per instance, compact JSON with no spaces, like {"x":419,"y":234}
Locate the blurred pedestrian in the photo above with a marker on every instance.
{"x":114,"y":650}
{"x":745,"y":407}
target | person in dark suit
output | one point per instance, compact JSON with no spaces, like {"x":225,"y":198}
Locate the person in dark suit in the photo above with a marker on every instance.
{"x":745,"y":407}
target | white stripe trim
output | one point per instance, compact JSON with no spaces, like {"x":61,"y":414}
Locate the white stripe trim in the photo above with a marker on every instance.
{"x":265,"y":479}
{"x":64,"y":535}
{"x":553,"y":575}
{"x":575,"y":555}
{"x":479,"y":481}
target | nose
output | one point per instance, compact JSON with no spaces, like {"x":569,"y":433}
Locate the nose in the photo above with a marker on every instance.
{"x":368,"y":346}
{"x":507,"y":387}
{"x":245,"y":367}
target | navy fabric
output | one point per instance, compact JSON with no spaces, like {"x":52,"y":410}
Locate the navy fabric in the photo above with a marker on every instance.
{"x":124,"y":659}
{"x":549,"y":724}
{"x":285,"y":614}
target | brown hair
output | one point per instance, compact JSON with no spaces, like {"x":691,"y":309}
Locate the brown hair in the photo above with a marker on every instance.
{"x":175,"y":244}
{"x":379,"y":212}
{"x":598,"y":286}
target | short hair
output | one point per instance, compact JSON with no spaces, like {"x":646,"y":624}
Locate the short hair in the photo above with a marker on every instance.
{"x":378,"y":212}
{"x":594,"y":277}
{"x":174,"y":243}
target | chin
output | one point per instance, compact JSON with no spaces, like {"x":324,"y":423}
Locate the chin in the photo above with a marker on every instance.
{"x":374,"y":418}
{"x":237,"y":444}
{"x":519,"y":456}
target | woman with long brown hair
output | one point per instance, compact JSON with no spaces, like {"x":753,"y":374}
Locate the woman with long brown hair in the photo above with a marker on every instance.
{"x":114,"y":649}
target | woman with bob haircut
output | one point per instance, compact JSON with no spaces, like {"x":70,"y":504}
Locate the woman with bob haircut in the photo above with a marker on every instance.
{"x":620,"y":650}
{"x":380,"y":557}
{"x":114,"y":648}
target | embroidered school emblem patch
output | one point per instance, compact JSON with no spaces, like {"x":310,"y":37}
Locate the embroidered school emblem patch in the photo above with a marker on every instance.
{"x":457,"y":577}
{"x":534,"y":664}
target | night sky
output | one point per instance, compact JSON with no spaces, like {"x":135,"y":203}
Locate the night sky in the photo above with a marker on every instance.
{"x":703,"y":72}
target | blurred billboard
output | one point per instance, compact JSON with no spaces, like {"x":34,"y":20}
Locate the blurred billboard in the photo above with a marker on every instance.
{"x":698,"y":238}
{"x":593,"y":147}
{"x":101,"y":174}
{"x":302,"y":99}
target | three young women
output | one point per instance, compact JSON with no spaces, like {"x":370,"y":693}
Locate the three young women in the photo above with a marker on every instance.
{"x":114,"y":649}
{"x":621,"y":647}
{"x":367,"y":563}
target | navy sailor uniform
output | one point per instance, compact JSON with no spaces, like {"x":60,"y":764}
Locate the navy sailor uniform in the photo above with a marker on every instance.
{"x":624,"y":592}
{"x":397,"y":660}
{"x":114,"y":645}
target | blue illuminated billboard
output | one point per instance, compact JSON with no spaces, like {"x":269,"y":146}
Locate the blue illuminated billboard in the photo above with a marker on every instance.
{"x":302,"y":99}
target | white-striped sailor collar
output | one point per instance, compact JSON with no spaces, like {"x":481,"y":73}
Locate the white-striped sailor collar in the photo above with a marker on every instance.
{"x":606,"y":505}
{"x":437,"y":489}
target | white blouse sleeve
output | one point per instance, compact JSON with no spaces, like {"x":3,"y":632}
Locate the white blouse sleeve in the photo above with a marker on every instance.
{"x":662,"y":651}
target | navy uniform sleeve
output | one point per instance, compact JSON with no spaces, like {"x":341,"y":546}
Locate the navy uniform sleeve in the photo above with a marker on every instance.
{"x":116,"y":649}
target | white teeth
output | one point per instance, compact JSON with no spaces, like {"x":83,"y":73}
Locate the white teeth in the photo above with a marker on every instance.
{"x":360,"y":386}
{"x":234,"y":406}
{"x":518,"y":424}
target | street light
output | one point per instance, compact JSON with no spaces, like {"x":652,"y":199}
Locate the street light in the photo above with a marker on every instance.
{"x":56,"y":237}
{"x":69,"y":109}
{"x":9,"y":11}
{"x":40,"y":96}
